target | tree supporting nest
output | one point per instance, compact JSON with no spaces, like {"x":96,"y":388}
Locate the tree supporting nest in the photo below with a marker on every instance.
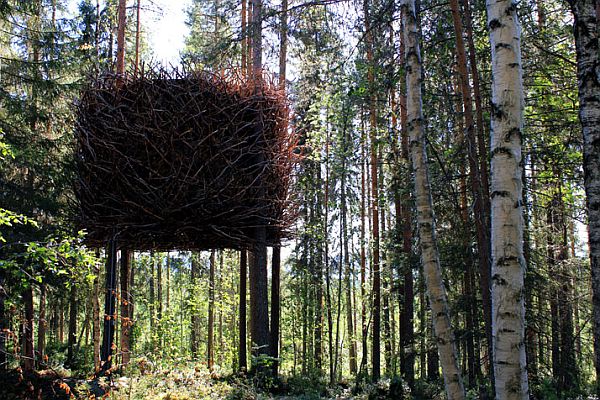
{"x":174,"y":160}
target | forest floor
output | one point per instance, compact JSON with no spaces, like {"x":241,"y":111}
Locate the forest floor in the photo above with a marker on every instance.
{"x":184,"y":382}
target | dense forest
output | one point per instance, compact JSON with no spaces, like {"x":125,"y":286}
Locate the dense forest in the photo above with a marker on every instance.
{"x":443,"y":207}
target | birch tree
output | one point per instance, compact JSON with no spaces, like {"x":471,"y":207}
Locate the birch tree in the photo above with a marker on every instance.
{"x":508,"y":262}
{"x":425,"y":217}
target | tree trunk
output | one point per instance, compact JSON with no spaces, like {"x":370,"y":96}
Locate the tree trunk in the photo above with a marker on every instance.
{"x":283,"y":32}
{"x":477,"y":191}
{"x":168,"y":267}
{"x":376,"y":356}
{"x":325,"y":228}
{"x":159,"y":287}
{"x":152,"y":300}
{"x":425,"y":217}
{"x":508,"y":263}
{"x":586,"y":42}
{"x":28,"y":357}
{"x":242,"y":339}
{"x":349,"y":276}
{"x":403,"y":215}
{"x":275,"y":307}
{"x":42,"y":324}
{"x":109,"y":308}
{"x":195,"y":320}
{"x":210,"y":343}
{"x":125,"y":300}
{"x":256,"y":35}
{"x":553,"y":293}
{"x":363,"y":257}
{"x":259,"y":307}
{"x":259,"y":295}
{"x":96,"y":315}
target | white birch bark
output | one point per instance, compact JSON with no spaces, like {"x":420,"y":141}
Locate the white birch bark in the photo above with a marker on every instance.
{"x":508,"y":262}
{"x":425,"y":217}
{"x":588,"y":76}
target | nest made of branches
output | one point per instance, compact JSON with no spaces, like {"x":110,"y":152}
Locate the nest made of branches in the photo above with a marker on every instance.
{"x":176,"y":160}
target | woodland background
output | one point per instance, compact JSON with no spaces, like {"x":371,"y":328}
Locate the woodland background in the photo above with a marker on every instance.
{"x":346,"y":83}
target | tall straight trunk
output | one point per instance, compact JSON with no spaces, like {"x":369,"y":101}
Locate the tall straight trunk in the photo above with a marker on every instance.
{"x":349,"y":276}
{"x":28,"y":356}
{"x":425,"y":216}
{"x":125,"y":300}
{"x":152,"y":300}
{"x":276,"y":261}
{"x":259,"y":308}
{"x":531,"y":333}
{"x":109,"y":307}
{"x":131,"y":294}
{"x":283,"y":32}
{"x":96,"y":315}
{"x":256,"y":34}
{"x":243,"y":365}
{"x":477,"y":191}
{"x":467,"y":256}
{"x":275,"y":306}
{"x":508,"y":263}
{"x":376,"y":356}
{"x":159,"y":290}
{"x":485,"y":268}
{"x":317,"y":265}
{"x":259,"y":296}
{"x":569,"y":374}
{"x":407,"y":353}
{"x":363,"y":256}
{"x":337,"y":359}
{"x":42,"y":324}
{"x":122,"y":20}
{"x":481,"y":144}
{"x":72,"y":338}
{"x":210,"y":343}
{"x":588,"y":53}
{"x":326,"y":261}
{"x":195,"y":320}
{"x":387,"y":330}
{"x":168,"y":266}
{"x":553,"y":293}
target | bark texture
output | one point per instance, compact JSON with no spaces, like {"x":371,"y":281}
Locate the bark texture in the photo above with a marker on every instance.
{"x":425,"y":218}
{"x":508,"y":262}
{"x":109,"y":308}
{"x":374,"y":195}
{"x":588,"y":70}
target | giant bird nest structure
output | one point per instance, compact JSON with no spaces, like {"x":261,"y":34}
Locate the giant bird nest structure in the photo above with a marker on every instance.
{"x":177,"y":160}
